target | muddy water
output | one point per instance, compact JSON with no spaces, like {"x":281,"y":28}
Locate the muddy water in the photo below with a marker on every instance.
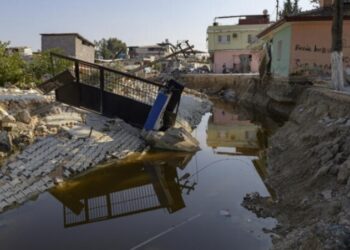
{"x":161,"y":200}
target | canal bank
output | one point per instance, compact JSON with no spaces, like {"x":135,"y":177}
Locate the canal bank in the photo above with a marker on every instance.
{"x":308,"y":161}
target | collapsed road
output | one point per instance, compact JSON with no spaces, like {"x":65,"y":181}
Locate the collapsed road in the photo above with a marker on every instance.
{"x":44,"y":141}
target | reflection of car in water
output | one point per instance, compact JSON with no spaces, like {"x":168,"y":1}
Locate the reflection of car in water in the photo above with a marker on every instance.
{"x":131,"y":187}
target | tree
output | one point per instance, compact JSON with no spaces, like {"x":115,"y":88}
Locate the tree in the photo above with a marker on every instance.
{"x":337,"y":46}
{"x":11,"y":66}
{"x":41,"y":66}
{"x":289,"y":8}
{"x":109,"y":48}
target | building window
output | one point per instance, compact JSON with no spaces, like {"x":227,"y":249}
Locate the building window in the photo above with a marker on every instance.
{"x":224,"y":39}
{"x":252,"y":39}
{"x":279,"y":50}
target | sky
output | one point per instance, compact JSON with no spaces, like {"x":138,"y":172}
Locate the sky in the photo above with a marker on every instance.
{"x":136,"y":22}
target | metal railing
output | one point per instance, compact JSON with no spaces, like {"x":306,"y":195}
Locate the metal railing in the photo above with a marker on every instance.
{"x":108,"y":79}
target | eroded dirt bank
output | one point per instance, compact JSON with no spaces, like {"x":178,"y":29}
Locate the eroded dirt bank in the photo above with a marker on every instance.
{"x":308,"y":162}
{"x":309,"y":168}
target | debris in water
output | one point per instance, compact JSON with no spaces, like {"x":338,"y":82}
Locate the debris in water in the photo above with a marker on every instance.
{"x":225,"y":212}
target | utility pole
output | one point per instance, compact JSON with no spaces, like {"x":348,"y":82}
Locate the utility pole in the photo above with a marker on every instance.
{"x":277,"y":9}
{"x":337,"y":45}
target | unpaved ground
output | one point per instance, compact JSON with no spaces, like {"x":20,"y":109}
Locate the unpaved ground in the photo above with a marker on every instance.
{"x":308,"y":162}
{"x":309,"y":168}
{"x":42,"y":141}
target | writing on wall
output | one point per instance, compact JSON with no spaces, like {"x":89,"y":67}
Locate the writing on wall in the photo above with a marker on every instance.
{"x":318,"y":69}
{"x":314,"y":49}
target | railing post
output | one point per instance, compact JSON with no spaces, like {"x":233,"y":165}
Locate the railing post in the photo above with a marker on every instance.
{"x":77,"y":77}
{"x":76,"y":69}
{"x":102,"y":88}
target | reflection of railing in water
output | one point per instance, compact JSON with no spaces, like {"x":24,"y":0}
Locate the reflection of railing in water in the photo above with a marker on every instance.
{"x":112,"y":192}
{"x":117,"y":204}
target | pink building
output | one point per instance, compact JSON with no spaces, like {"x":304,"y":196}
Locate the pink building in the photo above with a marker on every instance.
{"x":232,"y":60}
{"x":235,"y":48}
{"x":301,"y":43}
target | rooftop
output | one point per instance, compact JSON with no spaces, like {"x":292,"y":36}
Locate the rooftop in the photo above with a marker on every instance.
{"x":319,"y":14}
{"x":70,"y":34}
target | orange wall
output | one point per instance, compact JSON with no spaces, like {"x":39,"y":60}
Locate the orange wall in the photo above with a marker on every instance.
{"x":311,"y":48}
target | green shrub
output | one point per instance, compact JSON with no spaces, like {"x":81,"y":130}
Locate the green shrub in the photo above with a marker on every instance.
{"x":41,"y":66}
{"x":11,"y":66}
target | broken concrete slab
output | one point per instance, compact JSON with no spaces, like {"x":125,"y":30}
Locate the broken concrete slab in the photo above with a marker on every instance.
{"x":177,"y":139}
{"x":24,"y":116}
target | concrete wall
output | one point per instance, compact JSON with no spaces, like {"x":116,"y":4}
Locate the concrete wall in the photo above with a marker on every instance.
{"x":84,"y":51}
{"x":281,"y":50}
{"x":231,"y":57}
{"x":311,"y":54}
{"x":64,"y":42}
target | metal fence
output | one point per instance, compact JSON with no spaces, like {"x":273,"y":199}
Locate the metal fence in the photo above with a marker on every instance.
{"x":110,"y":92}
{"x":108,"y":79}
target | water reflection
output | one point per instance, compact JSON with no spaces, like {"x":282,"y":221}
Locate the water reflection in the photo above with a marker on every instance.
{"x":231,"y":132}
{"x":227,"y":130}
{"x":136,"y":185}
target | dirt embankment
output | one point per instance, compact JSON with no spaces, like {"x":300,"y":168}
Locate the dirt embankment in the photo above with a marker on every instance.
{"x":308,"y":162}
{"x":309,"y":168}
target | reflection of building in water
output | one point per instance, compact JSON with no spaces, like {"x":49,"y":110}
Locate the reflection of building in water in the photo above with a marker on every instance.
{"x":126,"y":189}
{"x":226,"y":130}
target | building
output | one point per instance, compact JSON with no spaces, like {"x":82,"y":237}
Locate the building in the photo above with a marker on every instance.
{"x":152,"y":51}
{"x":235,"y":48}
{"x":25,"y":52}
{"x":72,"y":44}
{"x":300,"y":44}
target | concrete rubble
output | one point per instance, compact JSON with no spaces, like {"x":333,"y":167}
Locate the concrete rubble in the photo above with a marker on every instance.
{"x":179,"y":138}
{"x":50,"y":141}
{"x":176,"y":139}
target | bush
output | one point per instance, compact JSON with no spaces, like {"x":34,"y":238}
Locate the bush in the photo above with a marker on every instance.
{"x":11,"y":66}
{"x":14,"y":70}
{"x":41,"y":66}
